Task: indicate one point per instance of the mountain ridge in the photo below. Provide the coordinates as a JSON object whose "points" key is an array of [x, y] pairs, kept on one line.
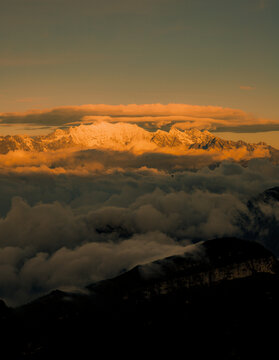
{"points": [[231, 313], [126, 137]]}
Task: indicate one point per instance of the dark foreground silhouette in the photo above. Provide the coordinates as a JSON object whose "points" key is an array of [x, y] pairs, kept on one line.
{"points": [[220, 300]]}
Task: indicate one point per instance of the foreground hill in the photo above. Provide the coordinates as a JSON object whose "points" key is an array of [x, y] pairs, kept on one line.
{"points": [[219, 299]]}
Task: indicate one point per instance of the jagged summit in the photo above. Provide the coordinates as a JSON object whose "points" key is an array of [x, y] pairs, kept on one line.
{"points": [[124, 137]]}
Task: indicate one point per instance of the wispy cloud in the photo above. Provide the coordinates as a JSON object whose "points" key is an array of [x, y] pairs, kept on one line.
{"points": [[245, 87], [26, 61], [38, 60], [31, 99], [263, 4]]}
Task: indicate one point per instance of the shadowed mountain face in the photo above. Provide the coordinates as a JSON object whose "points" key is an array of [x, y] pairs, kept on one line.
{"points": [[268, 196], [263, 222], [216, 299]]}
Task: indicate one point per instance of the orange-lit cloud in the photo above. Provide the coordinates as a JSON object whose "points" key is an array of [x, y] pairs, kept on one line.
{"points": [[243, 87], [31, 99], [149, 115], [90, 162]]}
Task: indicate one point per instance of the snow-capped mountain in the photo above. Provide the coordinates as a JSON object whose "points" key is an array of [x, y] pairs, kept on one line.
{"points": [[125, 137]]}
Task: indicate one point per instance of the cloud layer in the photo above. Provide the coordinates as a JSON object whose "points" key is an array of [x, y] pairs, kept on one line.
{"points": [[148, 115], [66, 231]]}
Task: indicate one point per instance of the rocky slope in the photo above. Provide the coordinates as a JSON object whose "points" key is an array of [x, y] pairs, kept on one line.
{"points": [[220, 299], [125, 137]]}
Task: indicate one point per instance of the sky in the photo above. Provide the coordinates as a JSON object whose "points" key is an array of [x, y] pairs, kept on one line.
{"points": [[224, 53], [200, 52]]}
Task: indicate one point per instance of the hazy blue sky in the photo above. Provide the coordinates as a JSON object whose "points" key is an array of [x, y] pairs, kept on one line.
{"points": [[203, 52]]}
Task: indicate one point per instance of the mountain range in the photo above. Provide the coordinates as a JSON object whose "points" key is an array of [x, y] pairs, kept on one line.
{"points": [[128, 137]]}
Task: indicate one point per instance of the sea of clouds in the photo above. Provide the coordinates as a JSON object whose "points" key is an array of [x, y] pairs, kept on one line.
{"points": [[89, 216]]}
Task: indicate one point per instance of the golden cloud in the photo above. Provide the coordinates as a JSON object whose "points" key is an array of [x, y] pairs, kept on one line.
{"points": [[148, 115]]}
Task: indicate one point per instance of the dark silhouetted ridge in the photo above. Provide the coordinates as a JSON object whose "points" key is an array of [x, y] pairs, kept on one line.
{"points": [[220, 299]]}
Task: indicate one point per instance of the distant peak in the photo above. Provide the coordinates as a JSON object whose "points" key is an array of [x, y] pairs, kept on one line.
{"points": [[124, 136]]}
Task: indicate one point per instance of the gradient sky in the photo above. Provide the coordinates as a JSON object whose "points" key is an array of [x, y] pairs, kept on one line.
{"points": [[202, 52]]}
